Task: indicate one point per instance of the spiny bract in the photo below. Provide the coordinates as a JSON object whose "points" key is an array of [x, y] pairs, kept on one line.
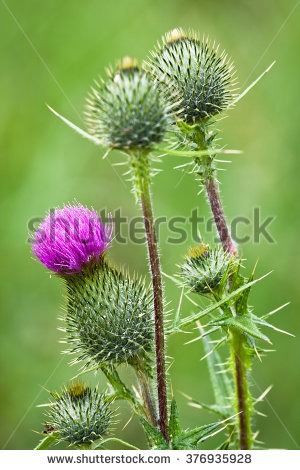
{"points": [[128, 111], [195, 72], [109, 316], [79, 414], [204, 269]]}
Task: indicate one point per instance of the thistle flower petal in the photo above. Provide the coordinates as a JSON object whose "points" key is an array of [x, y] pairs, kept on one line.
{"points": [[69, 238]]}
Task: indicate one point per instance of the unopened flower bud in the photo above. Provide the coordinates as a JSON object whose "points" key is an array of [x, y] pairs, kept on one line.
{"points": [[109, 318], [128, 110], [194, 71], [79, 414], [204, 269]]}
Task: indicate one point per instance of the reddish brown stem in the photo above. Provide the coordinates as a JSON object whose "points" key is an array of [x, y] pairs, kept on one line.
{"points": [[219, 216], [241, 382], [158, 307]]}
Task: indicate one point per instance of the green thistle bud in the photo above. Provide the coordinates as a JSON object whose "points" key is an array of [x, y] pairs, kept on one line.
{"points": [[109, 318], [204, 270], [79, 414], [128, 111], [195, 72]]}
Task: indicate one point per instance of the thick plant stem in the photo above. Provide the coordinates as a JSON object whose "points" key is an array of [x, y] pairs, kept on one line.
{"points": [[243, 402], [148, 401], [243, 398], [158, 305], [145, 390]]}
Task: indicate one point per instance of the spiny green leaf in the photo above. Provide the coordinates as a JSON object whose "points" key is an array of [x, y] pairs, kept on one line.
{"points": [[274, 311], [243, 323], [174, 426], [193, 318], [241, 304], [236, 279], [225, 445], [154, 434], [114, 439], [193, 436], [259, 321], [218, 410], [47, 441], [222, 385], [76, 128]]}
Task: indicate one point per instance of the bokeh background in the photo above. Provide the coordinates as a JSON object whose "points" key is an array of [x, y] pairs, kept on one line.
{"points": [[50, 53]]}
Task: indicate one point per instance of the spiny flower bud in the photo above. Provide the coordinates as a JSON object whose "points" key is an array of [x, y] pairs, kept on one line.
{"points": [[205, 269], [109, 317], [195, 72], [69, 238], [79, 414], [128, 111]]}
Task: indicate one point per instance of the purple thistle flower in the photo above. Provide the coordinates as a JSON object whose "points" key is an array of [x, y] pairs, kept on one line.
{"points": [[71, 237]]}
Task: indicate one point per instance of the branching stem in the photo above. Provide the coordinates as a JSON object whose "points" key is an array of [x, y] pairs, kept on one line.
{"points": [[243, 400]]}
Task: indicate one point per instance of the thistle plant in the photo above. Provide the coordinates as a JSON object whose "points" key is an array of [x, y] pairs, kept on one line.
{"points": [[169, 105]]}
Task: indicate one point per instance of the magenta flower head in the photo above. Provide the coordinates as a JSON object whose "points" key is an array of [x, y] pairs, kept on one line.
{"points": [[69, 238]]}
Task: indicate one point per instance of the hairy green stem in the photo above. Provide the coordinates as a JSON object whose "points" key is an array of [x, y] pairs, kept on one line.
{"points": [[146, 392], [243, 400], [158, 305]]}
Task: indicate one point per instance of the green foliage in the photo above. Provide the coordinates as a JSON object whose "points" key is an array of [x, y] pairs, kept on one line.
{"points": [[109, 318], [179, 439], [225, 302], [222, 383], [47, 441], [238, 327], [241, 323]]}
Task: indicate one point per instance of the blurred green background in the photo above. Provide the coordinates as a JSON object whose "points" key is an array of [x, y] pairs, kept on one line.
{"points": [[50, 53]]}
